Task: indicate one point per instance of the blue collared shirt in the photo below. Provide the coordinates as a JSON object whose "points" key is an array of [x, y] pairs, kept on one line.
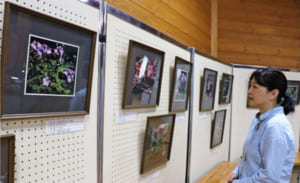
{"points": [[269, 150]]}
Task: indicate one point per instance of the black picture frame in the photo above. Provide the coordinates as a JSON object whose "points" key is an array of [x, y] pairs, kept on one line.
{"points": [[157, 141], [293, 91], [7, 152], [181, 85], [217, 130], [46, 65], [143, 76], [208, 89], [225, 89]]}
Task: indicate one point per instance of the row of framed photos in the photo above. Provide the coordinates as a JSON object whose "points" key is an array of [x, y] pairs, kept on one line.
{"points": [[144, 75], [51, 74], [159, 135]]}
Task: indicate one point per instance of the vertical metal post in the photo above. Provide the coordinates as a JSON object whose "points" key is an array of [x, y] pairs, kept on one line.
{"points": [[230, 124], [190, 121], [100, 89]]}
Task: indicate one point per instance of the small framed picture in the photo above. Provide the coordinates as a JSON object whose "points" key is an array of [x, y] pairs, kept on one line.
{"points": [[293, 90], [157, 141], [46, 65], [7, 158], [143, 76], [208, 90], [225, 89], [217, 129], [181, 85]]}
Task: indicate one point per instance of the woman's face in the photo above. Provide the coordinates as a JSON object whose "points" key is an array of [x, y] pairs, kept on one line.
{"points": [[258, 95]]}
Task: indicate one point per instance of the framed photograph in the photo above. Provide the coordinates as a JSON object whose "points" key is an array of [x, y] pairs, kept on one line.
{"points": [[46, 65], [7, 158], [157, 142], [143, 76], [181, 85], [293, 90], [217, 129], [225, 89], [208, 90]]}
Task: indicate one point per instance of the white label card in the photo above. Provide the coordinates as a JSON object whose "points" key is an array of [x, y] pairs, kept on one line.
{"points": [[58, 126], [122, 116], [153, 175], [203, 115], [179, 116]]}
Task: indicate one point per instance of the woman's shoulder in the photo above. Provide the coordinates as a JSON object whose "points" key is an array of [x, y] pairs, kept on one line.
{"points": [[278, 120], [279, 123]]}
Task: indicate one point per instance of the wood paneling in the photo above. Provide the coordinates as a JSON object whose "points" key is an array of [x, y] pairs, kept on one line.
{"points": [[259, 32], [185, 21], [214, 28], [258, 59]]}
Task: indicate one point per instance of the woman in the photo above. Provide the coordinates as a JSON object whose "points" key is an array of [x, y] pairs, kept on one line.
{"points": [[269, 150]]}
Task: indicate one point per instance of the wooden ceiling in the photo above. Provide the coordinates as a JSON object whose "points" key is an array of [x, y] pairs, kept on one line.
{"points": [[252, 32]]}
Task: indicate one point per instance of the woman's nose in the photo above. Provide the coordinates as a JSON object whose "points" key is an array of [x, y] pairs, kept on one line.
{"points": [[249, 90]]}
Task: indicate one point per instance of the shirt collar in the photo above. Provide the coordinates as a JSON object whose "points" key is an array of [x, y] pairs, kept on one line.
{"points": [[268, 114]]}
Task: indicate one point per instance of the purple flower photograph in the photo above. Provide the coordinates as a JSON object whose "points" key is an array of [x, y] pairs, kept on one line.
{"points": [[181, 85], [51, 67], [159, 137], [225, 89], [158, 141], [208, 89]]}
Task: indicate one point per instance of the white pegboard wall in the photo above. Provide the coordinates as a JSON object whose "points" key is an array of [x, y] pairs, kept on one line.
{"points": [[67, 10], [123, 142], [67, 157], [203, 159], [45, 158]]}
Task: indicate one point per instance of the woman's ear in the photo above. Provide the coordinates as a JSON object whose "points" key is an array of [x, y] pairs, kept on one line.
{"points": [[274, 94]]}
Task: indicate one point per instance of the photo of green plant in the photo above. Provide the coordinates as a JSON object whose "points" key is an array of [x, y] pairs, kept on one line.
{"points": [[292, 91], [51, 67]]}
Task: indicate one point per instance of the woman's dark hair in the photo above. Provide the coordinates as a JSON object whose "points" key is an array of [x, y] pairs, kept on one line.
{"points": [[272, 78]]}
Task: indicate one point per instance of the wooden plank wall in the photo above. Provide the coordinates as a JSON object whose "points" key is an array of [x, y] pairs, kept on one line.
{"points": [[259, 32], [187, 21]]}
